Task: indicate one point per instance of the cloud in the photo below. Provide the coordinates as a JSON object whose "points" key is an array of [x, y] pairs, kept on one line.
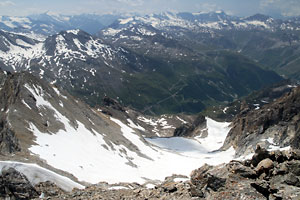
{"points": [[7, 3], [133, 3], [208, 7], [285, 7]]}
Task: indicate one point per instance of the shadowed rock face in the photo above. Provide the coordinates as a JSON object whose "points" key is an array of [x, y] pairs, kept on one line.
{"points": [[8, 94], [8, 141], [191, 129], [15, 185], [277, 121]]}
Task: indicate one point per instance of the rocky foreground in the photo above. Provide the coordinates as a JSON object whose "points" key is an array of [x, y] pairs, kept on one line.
{"points": [[268, 175]]}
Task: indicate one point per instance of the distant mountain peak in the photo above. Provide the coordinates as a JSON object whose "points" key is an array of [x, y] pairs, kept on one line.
{"points": [[258, 17]]}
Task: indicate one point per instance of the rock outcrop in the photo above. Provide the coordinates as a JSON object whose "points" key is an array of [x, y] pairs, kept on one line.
{"points": [[14, 185], [268, 175], [275, 124], [8, 141], [191, 129]]}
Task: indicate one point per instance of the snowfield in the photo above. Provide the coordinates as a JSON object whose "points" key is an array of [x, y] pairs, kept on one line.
{"points": [[36, 174], [81, 153], [84, 153], [92, 157]]}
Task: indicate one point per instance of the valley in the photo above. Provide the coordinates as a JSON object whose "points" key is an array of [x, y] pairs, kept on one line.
{"points": [[159, 106]]}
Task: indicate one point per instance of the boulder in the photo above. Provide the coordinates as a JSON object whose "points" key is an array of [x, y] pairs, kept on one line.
{"points": [[264, 166], [14, 184]]}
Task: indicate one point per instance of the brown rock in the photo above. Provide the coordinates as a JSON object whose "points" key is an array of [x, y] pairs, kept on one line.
{"points": [[264, 166]]}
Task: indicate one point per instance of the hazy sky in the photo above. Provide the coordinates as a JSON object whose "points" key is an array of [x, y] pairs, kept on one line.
{"points": [[235, 7]]}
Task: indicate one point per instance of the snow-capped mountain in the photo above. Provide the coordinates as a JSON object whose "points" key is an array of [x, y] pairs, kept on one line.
{"points": [[64, 58], [274, 43], [148, 50], [118, 64], [51, 23], [203, 22]]}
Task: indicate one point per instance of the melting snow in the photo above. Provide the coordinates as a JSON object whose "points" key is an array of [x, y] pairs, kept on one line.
{"points": [[118, 188], [26, 104], [273, 146], [258, 23], [125, 21], [58, 93], [216, 135], [86, 155], [36, 174], [39, 96], [183, 121], [111, 31], [181, 179], [22, 43], [146, 32], [75, 32], [17, 54], [133, 125], [162, 123]]}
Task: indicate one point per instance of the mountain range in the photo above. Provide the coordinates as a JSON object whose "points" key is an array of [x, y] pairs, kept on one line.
{"points": [[165, 63], [110, 105]]}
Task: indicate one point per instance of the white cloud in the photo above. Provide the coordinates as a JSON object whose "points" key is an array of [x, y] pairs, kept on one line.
{"points": [[208, 7], [133, 3], [7, 3], [286, 7]]}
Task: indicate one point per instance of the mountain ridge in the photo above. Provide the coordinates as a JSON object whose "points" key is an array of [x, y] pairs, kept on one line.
{"points": [[91, 67]]}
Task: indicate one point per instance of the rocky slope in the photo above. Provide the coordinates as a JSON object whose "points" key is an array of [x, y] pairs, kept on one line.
{"points": [[257, 99], [50, 112], [275, 124], [45, 125], [267, 175]]}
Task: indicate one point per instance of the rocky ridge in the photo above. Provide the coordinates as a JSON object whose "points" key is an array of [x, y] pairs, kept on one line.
{"points": [[133, 68], [275, 124]]}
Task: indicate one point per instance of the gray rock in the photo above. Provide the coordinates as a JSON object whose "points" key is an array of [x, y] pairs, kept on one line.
{"points": [[14, 184], [291, 179], [278, 120]]}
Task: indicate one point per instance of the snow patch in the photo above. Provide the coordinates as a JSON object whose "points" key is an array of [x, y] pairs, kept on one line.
{"points": [[217, 132], [26, 104], [125, 21], [118, 188], [36, 174], [273, 146], [111, 31], [133, 125], [22, 43], [258, 23], [181, 179], [58, 93], [75, 32]]}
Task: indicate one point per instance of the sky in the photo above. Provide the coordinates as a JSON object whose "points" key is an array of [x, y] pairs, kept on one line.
{"points": [[72, 7]]}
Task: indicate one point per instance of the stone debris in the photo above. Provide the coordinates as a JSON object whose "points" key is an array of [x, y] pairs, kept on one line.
{"points": [[271, 175]]}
